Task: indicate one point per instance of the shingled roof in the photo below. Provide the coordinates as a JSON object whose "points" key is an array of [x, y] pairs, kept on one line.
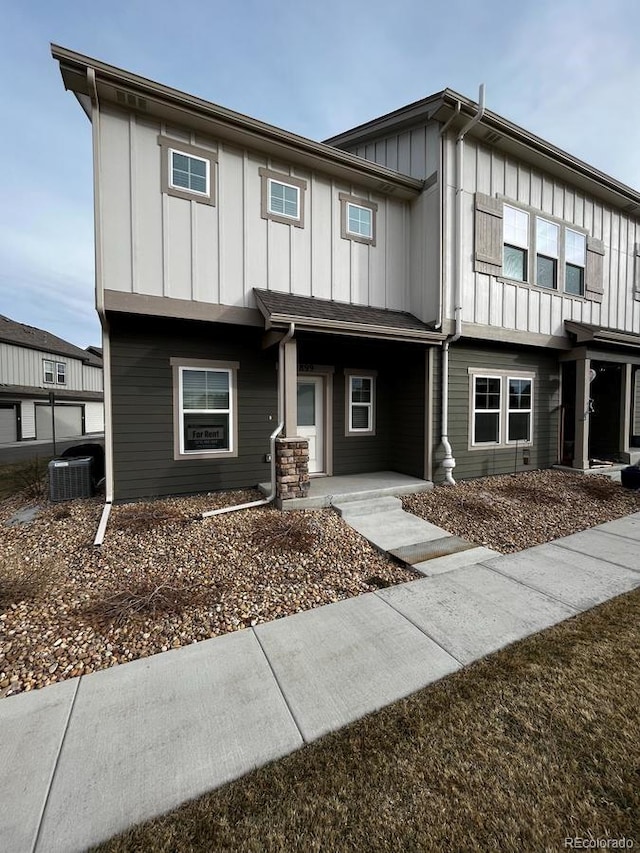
{"points": [[12, 332], [327, 315]]}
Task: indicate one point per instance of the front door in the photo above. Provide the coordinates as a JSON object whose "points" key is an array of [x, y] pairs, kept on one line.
{"points": [[311, 419]]}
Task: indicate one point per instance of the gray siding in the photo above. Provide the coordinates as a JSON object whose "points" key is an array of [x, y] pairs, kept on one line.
{"points": [[480, 462], [143, 406]]}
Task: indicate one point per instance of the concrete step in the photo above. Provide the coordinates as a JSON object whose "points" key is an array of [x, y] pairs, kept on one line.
{"points": [[370, 506], [458, 560], [431, 549]]}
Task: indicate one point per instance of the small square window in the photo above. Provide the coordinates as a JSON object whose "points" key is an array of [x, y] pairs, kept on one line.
{"points": [[284, 199], [189, 173], [358, 219]]}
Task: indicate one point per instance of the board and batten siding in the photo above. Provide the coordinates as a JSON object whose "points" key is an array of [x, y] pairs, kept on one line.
{"points": [[413, 151], [160, 245], [489, 301], [23, 366], [142, 404], [485, 461], [92, 378]]}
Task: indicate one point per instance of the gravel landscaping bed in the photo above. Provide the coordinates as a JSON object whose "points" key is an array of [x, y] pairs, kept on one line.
{"points": [[163, 578], [516, 511]]}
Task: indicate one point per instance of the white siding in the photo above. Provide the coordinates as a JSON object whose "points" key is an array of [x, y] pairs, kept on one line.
{"points": [[22, 366], [415, 151], [488, 301], [161, 245], [91, 378]]}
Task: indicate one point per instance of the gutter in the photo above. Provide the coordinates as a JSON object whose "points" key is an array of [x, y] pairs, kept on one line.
{"points": [[449, 463], [350, 328], [272, 438], [106, 344]]}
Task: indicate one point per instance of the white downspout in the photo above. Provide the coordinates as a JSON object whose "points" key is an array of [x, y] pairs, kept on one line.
{"points": [[106, 344], [272, 438], [449, 463]]}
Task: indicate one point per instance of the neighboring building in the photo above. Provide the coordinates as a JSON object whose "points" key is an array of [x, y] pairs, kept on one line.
{"points": [[439, 253], [34, 363]]}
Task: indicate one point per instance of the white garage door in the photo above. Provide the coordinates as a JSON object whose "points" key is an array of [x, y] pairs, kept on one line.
{"points": [[68, 421], [8, 424]]}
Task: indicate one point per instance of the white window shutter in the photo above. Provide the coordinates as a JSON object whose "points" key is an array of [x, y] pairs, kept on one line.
{"points": [[488, 235]]}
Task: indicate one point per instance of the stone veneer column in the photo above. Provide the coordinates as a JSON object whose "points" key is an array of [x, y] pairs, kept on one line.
{"points": [[292, 468]]}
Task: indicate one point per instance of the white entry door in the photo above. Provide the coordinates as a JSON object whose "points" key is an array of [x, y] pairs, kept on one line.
{"points": [[311, 419]]}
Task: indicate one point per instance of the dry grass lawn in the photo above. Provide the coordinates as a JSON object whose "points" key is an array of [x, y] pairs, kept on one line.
{"points": [[517, 752]]}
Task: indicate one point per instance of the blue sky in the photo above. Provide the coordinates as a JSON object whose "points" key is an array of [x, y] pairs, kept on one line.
{"points": [[568, 70]]}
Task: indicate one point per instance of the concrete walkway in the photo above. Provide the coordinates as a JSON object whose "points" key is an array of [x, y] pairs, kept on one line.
{"points": [[86, 758]]}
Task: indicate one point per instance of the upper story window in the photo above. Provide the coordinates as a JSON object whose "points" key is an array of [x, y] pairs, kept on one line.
{"points": [[358, 219], [54, 372], [282, 197], [188, 171], [519, 243], [516, 243], [575, 262], [547, 253]]}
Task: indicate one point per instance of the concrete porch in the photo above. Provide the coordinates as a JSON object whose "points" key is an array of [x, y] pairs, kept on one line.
{"points": [[354, 487]]}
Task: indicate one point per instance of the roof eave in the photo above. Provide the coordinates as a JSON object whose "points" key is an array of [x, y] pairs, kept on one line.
{"points": [[229, 124]]}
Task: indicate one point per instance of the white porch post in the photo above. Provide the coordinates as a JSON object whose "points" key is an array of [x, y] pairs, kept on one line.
{"points": [[291, 388], [581, 449]]}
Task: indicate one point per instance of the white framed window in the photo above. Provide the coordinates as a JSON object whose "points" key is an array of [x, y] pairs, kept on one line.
{"points": [[547, 253], [205, 409], [501, 409], [54, 372], [516, 243], [360, 402], [188, 171], [358, 219], [574, 262], [282, 198], [487, 410]]}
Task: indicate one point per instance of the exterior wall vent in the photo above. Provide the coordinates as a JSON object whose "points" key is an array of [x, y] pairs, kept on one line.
{"points": [[130, 100], [386, 188], [492, 137]]}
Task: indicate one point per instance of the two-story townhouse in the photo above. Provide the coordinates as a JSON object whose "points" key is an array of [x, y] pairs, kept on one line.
{"points": [[34, 364], [540, 288], [247, 277]]}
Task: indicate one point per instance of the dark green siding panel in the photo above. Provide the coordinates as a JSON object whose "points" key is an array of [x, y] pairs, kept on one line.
{"points": [[141, 350], [487, 461]]}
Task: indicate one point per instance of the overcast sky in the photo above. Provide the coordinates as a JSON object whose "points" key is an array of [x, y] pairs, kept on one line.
{"points": [[567, 70]]}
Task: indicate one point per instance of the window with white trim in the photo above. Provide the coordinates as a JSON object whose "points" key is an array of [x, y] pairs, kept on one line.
{"points": [[359, 220], [54, 372], [360, 404], [547, 253], [516, 243], [282, 197], [188, 172], [574, 262], [501, 409], [205, 416]]}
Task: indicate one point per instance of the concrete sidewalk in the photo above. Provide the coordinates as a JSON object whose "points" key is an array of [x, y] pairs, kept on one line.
{"points": [[86, 758]]}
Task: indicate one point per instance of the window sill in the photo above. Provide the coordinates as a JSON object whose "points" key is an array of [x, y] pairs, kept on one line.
{"points": [[205, 454], [536, 287], [491, 445]]}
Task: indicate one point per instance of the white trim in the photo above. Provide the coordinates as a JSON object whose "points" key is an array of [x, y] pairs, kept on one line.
{"points": [[370, 429], [371, 213], [230, 368], [204, 160], [270, 182], [503, 412], [475, 411], [509, 411]]}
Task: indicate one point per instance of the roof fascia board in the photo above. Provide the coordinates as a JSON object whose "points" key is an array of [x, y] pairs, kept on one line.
{"points": [[73, 68], [88, 358], [365, 329]]}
